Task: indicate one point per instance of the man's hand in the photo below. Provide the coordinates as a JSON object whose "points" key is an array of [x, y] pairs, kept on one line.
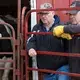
{"points": [[32, 52], [66, 36], [58, 30]]}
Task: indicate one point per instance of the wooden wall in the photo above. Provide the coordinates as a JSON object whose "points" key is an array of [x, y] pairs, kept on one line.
{"points": [[58, 4]]}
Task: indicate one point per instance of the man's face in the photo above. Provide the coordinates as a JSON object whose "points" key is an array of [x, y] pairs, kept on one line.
{"points": [[75, 18], [47, 17]]}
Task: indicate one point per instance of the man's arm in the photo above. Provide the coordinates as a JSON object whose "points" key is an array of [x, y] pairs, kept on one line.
{"points": [[31, 44], [72, 29], [64, 31]]}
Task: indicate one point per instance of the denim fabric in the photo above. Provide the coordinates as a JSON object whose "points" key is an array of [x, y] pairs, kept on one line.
{"points": [[64, 68]]}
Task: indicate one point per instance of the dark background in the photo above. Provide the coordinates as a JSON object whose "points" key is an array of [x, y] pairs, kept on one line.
{"points": [[10, 6]]}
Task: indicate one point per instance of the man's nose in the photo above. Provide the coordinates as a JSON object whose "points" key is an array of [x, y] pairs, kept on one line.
{"points": [[71, 16], [43, 15]]}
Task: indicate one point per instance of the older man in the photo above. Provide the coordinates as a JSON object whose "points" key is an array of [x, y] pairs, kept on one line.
{"points": [[48, 20]]}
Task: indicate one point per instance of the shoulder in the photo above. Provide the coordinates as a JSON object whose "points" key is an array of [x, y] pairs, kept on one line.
{"points": [[36, 27]]}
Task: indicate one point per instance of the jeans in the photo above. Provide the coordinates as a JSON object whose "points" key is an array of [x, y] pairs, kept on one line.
{"points": [[64, 68]]}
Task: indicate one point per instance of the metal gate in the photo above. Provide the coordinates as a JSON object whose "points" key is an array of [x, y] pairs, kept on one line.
{"points": [[26, 74], [11, 61]]}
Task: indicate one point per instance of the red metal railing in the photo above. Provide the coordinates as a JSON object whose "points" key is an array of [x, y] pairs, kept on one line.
{"points": [[12, 38], [44, 52], [23, 53]]}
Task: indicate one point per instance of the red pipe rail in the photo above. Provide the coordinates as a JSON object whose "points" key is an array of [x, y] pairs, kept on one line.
{"points": [[13, 53], [22, 25], [45, 52], [38, 10], [22, 41], [18, 38]]}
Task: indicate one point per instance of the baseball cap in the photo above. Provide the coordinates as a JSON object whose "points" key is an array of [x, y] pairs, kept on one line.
{"points": [[45, 6], [74, 5]]}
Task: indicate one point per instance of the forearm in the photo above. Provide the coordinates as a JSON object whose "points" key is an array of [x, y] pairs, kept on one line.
{"points": [[31, 45], [72, 29]]}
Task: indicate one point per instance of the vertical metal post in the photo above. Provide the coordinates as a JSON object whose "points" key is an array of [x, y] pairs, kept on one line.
{"points": [[18, 37]]}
